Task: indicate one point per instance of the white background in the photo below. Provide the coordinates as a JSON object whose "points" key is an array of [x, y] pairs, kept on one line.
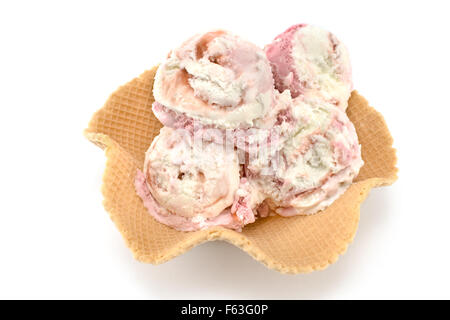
{"points": [[59, 61]]}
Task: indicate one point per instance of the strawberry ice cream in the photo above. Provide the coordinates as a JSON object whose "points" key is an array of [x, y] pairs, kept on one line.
{"points": [[249, 133], [218, 79], [315, 166], [190, 187], [308, 60]]}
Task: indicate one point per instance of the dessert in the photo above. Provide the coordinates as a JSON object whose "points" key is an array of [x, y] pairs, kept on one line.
{"points": [[315, 166], [125, 127], [308, 60], [216, 78], [221, 87], [246, 136], [270, 131], [189, 186]]}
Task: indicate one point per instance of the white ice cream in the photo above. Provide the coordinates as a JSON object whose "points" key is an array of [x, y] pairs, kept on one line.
{"points": [[308, 60], [218, 79], [315, 166], [272, 135], [189, 179]]}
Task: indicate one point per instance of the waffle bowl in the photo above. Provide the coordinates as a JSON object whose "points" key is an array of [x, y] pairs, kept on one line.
{"points": [[126, 126]]}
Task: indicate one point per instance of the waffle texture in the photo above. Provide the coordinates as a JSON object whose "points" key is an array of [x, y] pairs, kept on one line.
{"points": [[126, 126]]}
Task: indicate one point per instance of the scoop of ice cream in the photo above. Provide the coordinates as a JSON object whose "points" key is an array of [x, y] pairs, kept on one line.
{"points": [[190, 189], [216, 78], [190, 179], [315, 166], [309, 60]]}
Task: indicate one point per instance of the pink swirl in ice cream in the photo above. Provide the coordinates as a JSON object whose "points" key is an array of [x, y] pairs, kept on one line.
{"points": [[218, 79], [315, 166], [308, 60], [269, 131]]}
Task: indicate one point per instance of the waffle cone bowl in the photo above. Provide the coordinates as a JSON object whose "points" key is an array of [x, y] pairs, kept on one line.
{"points": [[126, 126]]}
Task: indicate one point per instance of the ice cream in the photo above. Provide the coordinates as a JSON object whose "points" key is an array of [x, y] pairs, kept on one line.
{"points": [[268, 132], [248, 135], [315, 166], [216, 78], [308, 60], [190, 186]]}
